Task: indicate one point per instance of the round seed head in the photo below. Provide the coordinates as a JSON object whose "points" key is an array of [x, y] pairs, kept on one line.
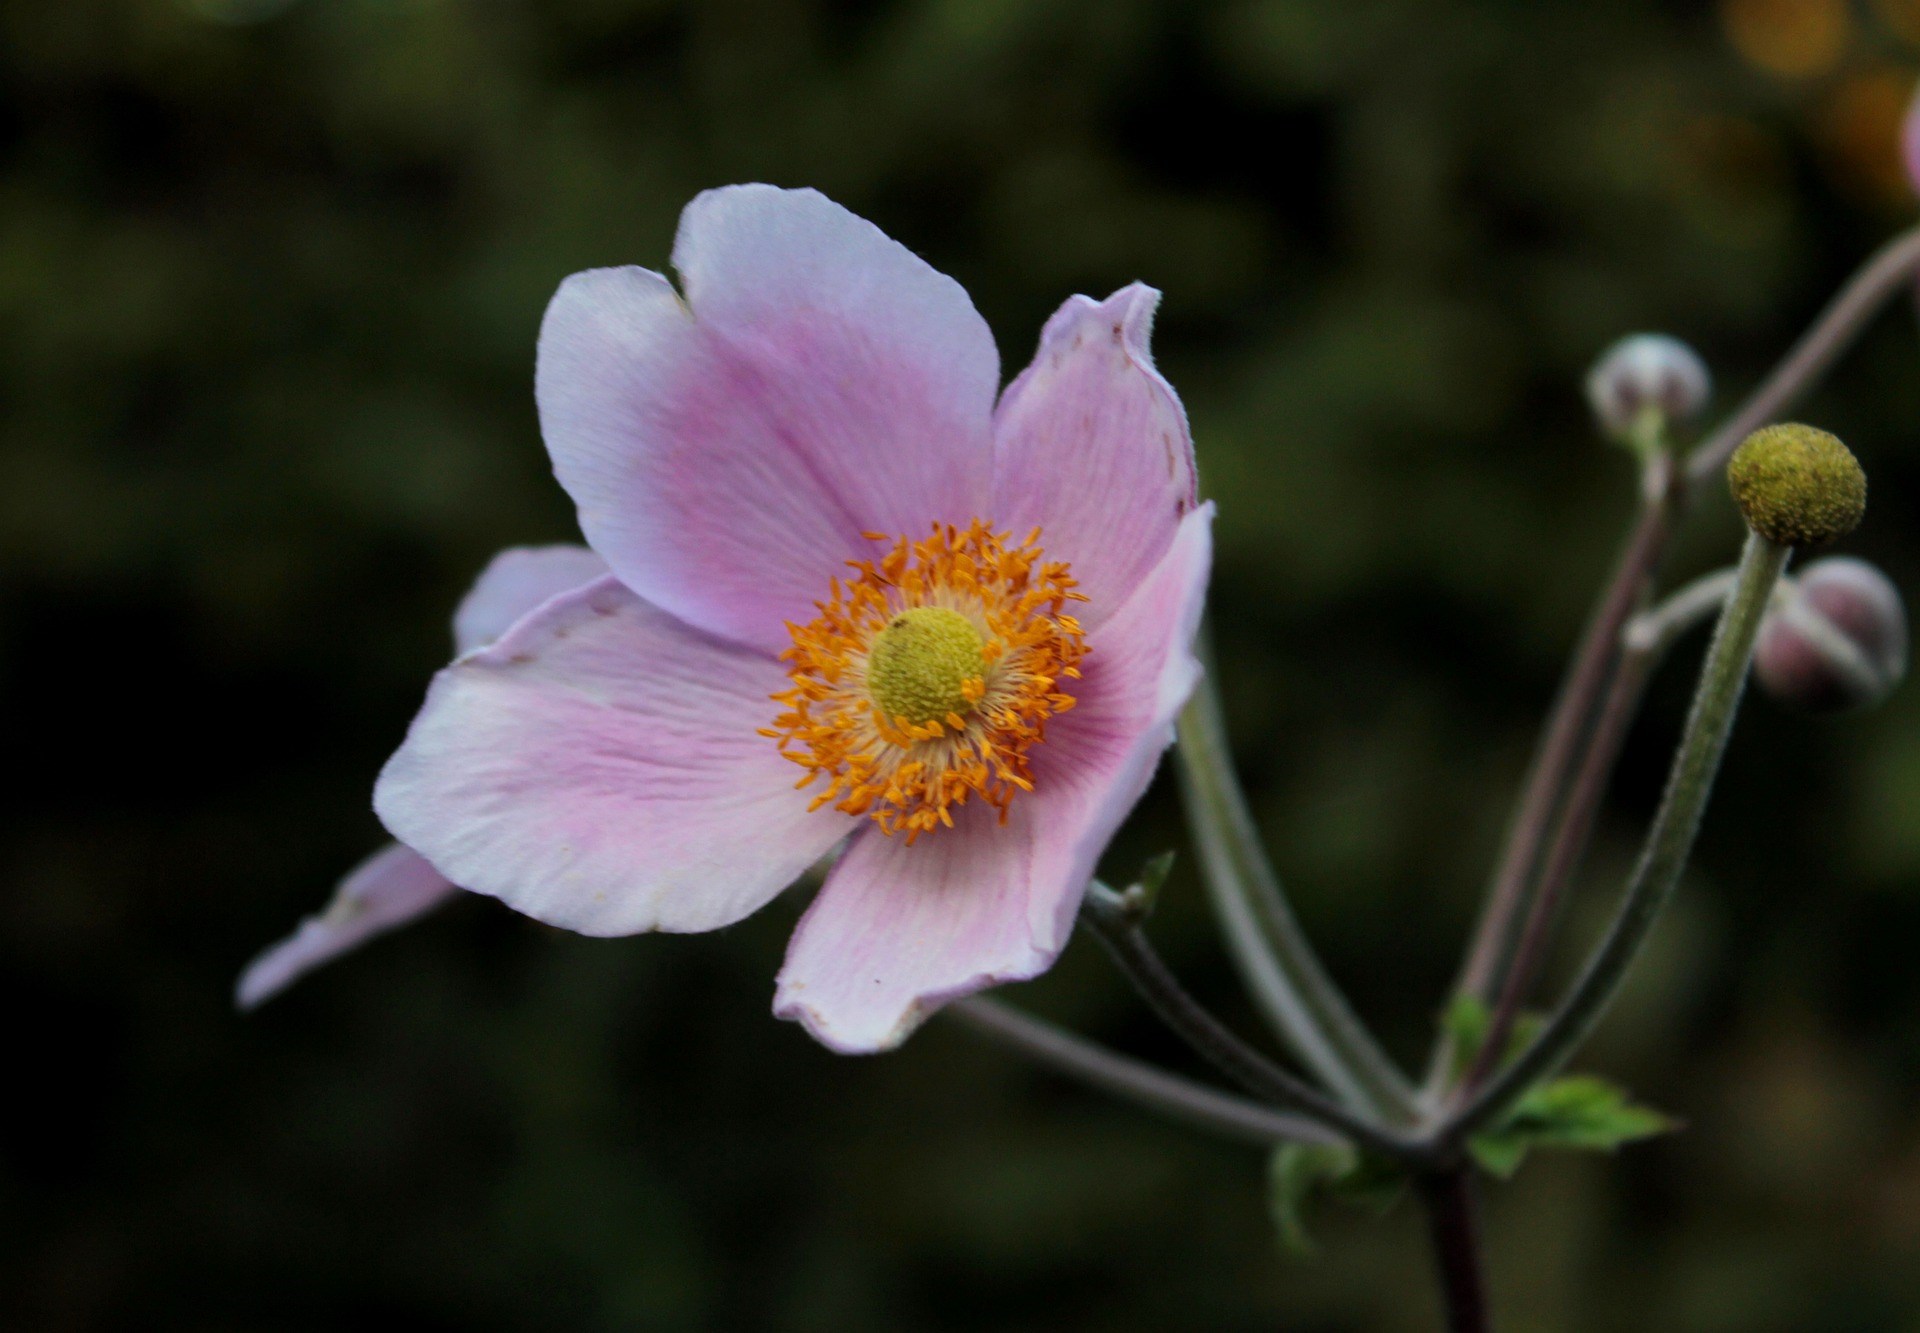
{"points": [[1797, 486]]}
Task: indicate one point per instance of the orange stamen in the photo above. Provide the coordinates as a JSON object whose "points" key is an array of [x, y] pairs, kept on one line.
{"points": [[905, 776]]}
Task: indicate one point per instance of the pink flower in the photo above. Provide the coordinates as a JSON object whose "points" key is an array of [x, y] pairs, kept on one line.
{"points": [[396, 884], [830, 618]]}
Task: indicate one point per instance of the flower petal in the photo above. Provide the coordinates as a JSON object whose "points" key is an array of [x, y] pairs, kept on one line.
{"points": [[396, 884], [1091, 446], [600, 768], [1099, 757], [898, 931], [516, 581], [820, 381], [390, 888]]}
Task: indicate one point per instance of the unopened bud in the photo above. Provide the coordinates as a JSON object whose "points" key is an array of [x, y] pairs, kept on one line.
{"points": [[1797, 486], [1834, 639], [1648, 372]]}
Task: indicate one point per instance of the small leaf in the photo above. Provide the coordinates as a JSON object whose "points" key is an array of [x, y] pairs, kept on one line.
{"points": [[1499, 1155], [1298, 1171], [1582, 1112], [1465, 1023], [1292, 1173], [1153, 875], [1587, 1112], [1375, 1183]]}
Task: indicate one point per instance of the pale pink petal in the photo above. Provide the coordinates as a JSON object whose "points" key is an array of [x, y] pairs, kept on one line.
{"points": [[897, 931], [600, 768], [1099, 757], [726, 453], [1091, 447], [388, 889], [395, 885], [516, 581]]}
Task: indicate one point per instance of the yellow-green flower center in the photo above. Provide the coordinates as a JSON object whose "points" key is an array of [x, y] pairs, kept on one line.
{"points": [[926, 665]]}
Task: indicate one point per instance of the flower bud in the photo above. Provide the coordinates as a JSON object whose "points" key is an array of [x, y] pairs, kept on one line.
{"points": [[1835, 638], [1797, 486], [1648, 371]]}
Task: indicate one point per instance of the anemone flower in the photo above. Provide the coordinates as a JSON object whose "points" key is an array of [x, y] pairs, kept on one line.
{"points": [[396, 884], [854, 603]]}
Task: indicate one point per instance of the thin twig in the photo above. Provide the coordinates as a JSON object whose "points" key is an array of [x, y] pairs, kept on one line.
{"points": [[1212, 1039], [1495, 938], [1135, 1080], [1283, 974], [1887, 273], [1669, 843], [1569, 841], [1643, 643]]}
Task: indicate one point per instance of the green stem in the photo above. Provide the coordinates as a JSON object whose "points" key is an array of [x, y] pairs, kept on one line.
{"points": [[1284, 976], [1887, 274], [1669, 843], [1134, 1080], [1644, 642], [1496, 937], [1111, 917]]}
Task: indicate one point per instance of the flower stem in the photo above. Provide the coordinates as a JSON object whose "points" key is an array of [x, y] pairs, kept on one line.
{"points": [[1134, 1080], [1496, 938], [1453, 1221], [1883, 276], [1643, 643], [1669, 843], [1284, 976], [1119, 929], [1887, 273]]}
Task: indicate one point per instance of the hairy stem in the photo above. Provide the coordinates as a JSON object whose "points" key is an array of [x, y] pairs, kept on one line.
{"points": [[1569, 842], [1496, 938], [1283, 975], [1885, 275], [1120, 931], [1669, 843], [1643, 643], [1135, 1080]]}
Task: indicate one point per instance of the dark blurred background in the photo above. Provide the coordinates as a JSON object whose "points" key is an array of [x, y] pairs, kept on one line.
{"points": [[270, 275]]}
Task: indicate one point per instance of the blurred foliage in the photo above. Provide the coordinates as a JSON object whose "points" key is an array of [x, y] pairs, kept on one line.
{"points": [[270, 274]]}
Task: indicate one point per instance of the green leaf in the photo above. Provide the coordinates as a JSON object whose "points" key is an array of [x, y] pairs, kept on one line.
{"points": [[1466, 1022], [1298, 1171], [1375, 1183], [1499, 1154], [1152, 876], [1581, 1112]]}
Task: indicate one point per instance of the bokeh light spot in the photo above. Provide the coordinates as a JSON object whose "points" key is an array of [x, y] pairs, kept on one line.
{"points": [[1793, 39]]}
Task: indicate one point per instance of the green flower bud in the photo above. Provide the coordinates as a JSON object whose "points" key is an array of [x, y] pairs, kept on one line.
{"points": [[1797, 486]]}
